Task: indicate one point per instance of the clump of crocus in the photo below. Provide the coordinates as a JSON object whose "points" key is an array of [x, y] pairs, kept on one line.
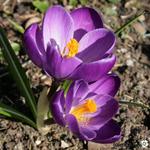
{"points": [[71, 45], [76, 46], [87, 109]]}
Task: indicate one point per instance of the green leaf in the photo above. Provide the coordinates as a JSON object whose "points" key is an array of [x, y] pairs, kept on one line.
{"points": [[83, 2], [17, 72], [118, 31], [73, 3], [137, 104], [66, 85], [42, 111], [114, 1], [15, 46], [16, 26], [42, 6], [12, 113]]}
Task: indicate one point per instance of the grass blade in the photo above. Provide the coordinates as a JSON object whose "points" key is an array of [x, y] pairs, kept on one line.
{"points": [[128, 23], [17, 72], [138, 104], [15, 46], [12, 113]]}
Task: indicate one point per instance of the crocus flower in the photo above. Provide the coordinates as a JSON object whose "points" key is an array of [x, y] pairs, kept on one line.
{"points": [[87, 109], [71, 45]]}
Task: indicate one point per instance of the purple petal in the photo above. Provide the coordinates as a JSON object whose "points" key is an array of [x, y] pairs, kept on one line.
{"points": [[109, 133], [39, 41], [59, 67], [73, 125], [95, 70], [87, 133], [95, 44], [108, 84], [80, 132], [85, 20], [53, 60], [57, 25], [107, 108], [57, 107], [68, 65], [77, 91], [33, 43]]}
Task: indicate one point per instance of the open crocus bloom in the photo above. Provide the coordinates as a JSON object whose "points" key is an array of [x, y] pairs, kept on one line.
{"points": [[71, 45], [87, 109]]}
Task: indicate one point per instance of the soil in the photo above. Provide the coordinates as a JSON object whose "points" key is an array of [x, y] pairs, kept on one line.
{"points": [[133, 67]]}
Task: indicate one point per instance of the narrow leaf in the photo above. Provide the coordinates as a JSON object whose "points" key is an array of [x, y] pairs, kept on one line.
{"points": [[16, 26], [17, 72], [14, 114], [15, 46], [128, 23], [138, 104]]}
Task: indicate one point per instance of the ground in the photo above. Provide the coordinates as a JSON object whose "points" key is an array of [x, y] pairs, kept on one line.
{"points": [[133, 67]]}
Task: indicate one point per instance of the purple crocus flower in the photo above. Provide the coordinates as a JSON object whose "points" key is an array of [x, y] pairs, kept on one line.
{"points": [[87, 109], [71, 45]]}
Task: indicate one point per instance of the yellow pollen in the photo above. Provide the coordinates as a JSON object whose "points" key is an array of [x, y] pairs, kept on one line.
{"points": [[91, 105], [72, 46], [88, 107]]}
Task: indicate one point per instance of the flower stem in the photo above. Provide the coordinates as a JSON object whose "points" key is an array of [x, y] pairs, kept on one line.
{"points": [[138, 104]]}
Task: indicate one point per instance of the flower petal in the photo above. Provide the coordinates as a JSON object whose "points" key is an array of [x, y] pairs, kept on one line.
{"points": [[73, 125], [108, 84], [33, 43], [68, 65], [107, 108], [76, 92], [57, 66], [85, 19], [87, 134], [95, 44], [57, 25], [80, 132], [109, 133], [53, 60], [57, 107], [95, 70]]}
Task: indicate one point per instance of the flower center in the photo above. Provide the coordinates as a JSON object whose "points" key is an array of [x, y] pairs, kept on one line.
{"points": [[88, 107], [72, 48]]}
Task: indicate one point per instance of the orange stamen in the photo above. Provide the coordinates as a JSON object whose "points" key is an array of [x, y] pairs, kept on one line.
{"points": [[72, 47], [88, 107]]}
